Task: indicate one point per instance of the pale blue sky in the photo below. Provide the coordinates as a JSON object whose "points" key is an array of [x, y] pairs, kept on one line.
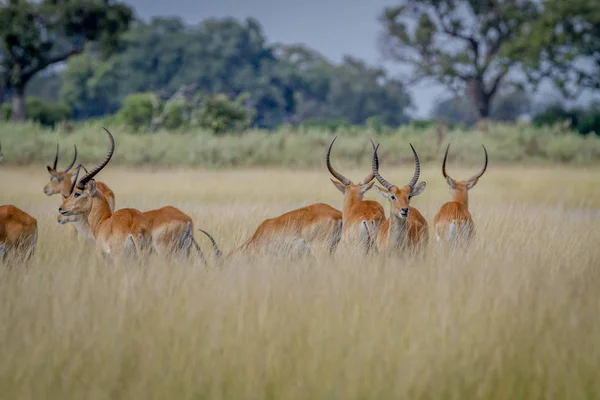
{"points": [[332, 27]]}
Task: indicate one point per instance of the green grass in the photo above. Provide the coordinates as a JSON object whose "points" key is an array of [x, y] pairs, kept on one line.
{"points": [[514, 318], [27, 144]]}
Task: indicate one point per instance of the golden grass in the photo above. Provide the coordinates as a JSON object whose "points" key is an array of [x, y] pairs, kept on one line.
{"points": [[514, 318]]}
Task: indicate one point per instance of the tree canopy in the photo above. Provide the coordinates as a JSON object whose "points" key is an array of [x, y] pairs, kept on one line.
{"points": [[467, 45], [285, 84], [37, 34]]}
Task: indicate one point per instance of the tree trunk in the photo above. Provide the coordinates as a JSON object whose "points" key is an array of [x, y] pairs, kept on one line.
{"points": [[480, 97], [18, 104]]}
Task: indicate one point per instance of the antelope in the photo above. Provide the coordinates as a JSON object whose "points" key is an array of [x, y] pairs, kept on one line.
{"points": [[405, 228], [124, 231], [18, 234], [453, 223], [360, 218], [302, 229]]}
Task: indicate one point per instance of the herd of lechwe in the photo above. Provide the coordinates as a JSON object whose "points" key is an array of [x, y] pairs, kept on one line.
{"points": [[90, 206]]}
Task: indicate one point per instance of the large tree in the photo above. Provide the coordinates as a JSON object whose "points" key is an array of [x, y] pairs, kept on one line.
{"points": [[37, 34], [463, 44], [564, 45]]}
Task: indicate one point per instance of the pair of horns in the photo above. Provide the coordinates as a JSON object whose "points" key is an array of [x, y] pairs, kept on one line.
{"points": [[386, 184], [474, 177], [341, 177], [72, 162], [94, 171]]}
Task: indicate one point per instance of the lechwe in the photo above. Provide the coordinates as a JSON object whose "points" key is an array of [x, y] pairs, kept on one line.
{"points": [[405, 229], [124, 232], [296, 233], [453, 223]]}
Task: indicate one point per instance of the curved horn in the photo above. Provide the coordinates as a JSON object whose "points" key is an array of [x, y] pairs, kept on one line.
{"points": [[415, 178], [444, 163], [333, 172], [87, 177], [72, 162], [375, 168], [55, 158], [369, 177], [75, 180], [475, 177]]}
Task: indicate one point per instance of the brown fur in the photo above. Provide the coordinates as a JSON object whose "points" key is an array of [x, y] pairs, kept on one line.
{"points": [[170, 227], [455, 214], [112, 231], [303, 228], [18, 233], [410, 232], [358, 214]]}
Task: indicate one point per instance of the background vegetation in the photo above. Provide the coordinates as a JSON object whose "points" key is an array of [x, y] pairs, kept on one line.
{"points": [[25, 144]]}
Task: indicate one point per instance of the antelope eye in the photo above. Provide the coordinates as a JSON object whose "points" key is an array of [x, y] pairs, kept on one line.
{"points": [[393, 197]]}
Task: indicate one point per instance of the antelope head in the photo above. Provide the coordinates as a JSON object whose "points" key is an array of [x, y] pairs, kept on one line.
{"points": [[461, 187], [356, 191], [58, 178], [399, 197], [81, 193]]}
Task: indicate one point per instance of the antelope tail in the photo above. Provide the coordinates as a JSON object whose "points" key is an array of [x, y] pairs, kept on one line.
{"points": [[214, 243]]}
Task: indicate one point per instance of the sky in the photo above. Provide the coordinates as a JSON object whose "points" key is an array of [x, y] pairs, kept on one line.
{"points": [[333, 27]]}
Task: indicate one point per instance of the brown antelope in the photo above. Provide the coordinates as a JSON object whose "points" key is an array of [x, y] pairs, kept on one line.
{"points": [[361, 218], [18, 234], [453, 223], [299, 230], [406, 228], [124, 231]]}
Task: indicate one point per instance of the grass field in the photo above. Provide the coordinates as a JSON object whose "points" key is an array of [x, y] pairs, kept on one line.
{"points": [[517, 317]]}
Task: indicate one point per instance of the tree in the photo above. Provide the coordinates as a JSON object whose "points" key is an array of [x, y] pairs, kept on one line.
{"points": [[37, 34], [464, 44], [564, 46]]}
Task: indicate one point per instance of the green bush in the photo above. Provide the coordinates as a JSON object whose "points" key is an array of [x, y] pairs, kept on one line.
{"points": [[40, 111], [583, 121], [221, 115], [136, 111]]}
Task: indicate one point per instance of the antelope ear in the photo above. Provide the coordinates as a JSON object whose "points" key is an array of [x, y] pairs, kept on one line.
{"points": [[50, 169], [451, 183], [418, 189], [383, 192], [341, 187], [471, 184], [91, 187], [367, 187]]}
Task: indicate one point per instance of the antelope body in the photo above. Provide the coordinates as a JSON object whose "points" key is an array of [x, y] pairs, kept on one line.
{"points": [[18, 234], [298, 231], [361, 218], [453, 223], [406, 228]]}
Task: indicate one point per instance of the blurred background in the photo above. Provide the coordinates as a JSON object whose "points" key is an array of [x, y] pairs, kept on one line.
{"points": [[230, 67]]}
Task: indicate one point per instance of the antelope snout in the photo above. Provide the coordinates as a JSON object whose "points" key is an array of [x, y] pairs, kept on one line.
{"points": [[404, 212], [61, 211], [47, 191]]}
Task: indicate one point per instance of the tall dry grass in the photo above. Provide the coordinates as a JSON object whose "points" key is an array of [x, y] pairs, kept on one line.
{"points": [[514, 318]]}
